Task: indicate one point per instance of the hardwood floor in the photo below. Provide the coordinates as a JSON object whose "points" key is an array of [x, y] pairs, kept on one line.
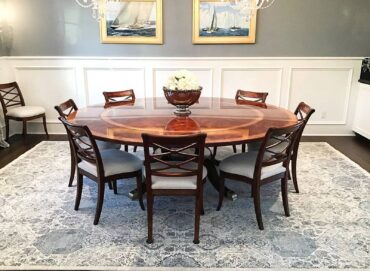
{"points": [[356, 148]]}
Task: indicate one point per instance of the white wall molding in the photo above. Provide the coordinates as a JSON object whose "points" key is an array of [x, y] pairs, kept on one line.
{"points": [[278, 87], [287, 79], [114, 69], [174, 58], [347, 90]]}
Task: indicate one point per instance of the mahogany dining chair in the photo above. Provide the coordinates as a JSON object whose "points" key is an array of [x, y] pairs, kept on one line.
{"points": [[269, 164], [303, 113], [174, 172], [65, 110], [102, 167], [119, 98], [15, 108]]}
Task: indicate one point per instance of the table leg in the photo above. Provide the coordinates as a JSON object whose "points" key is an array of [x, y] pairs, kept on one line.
{"points": [[213, 177]]}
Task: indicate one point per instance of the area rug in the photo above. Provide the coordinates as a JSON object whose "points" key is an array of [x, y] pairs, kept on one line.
{"points": [[329, 225]]}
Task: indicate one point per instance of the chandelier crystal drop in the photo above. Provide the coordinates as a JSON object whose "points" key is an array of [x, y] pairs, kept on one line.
{"points": [[242, 5], [245, 5], [95, 5]]}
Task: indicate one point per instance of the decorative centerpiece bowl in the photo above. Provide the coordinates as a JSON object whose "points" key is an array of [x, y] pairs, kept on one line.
{"points": [[182, 90]]}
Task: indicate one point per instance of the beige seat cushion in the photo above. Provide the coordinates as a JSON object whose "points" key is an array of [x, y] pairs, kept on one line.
{"points": [[114, 162], [25, 111], [159, 182], [243, 164]]}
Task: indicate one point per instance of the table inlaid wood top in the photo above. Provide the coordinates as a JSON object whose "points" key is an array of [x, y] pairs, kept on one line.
{"points": [[225, 121]]}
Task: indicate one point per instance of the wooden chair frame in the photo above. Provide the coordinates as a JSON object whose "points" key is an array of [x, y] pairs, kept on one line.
{"points": [[174, 146], [303, 113], [65, 110], [274, 137], [117, 98], [127, 98], [88, 151], [11, 95]]}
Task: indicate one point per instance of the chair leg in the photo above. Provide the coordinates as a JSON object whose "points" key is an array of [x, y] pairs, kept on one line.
{"points": [[139, 184], [126, 148], [221, 192], [244, 147], [135, 148], [257, 204], [202, 202], [110, 186], [115, 187], [99, 204], [73, 170], [234, 148], [284, 192], [45, 126], [79, 190], [24, 128], [198, 206], [150, 201], [214, 152], [294, 172], [6, 129]]}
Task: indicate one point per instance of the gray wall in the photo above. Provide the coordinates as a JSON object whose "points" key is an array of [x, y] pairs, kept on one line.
{"points": [[288, 28]]}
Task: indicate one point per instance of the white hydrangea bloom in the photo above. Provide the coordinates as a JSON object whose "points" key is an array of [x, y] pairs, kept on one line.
{"points": [[182, 80]]}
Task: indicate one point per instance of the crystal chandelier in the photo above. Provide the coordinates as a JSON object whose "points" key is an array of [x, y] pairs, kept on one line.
{"points": [[244, 4], [93, 4], [262, 4], [252, 4]]}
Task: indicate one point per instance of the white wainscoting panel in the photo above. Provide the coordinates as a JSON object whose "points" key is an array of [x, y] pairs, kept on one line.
{"points": [[327, 84], [252, 79], [46, 86], [327, 89], [98, 80]]}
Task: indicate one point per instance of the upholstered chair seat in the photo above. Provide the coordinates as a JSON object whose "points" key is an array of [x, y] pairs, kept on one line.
{"points": [[243, 164], [114, 162], [159, 182], [25, 111]]}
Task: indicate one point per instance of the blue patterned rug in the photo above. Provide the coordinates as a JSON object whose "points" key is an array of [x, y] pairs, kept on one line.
{"points": [[329, 224]]}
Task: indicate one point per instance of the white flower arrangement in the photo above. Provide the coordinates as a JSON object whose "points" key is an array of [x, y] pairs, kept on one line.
{"points": [[183, 80]]}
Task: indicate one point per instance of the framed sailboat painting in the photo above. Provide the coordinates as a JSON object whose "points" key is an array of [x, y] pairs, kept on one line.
{"points": [[131, 21], [224, 21]]}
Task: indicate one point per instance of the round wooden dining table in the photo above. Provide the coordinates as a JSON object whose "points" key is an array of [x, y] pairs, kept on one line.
{"points": [[225, 121]]}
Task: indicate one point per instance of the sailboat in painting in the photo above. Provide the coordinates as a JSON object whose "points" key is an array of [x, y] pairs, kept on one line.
{"points": [[135, 16], [213, 27], [234, 28]]}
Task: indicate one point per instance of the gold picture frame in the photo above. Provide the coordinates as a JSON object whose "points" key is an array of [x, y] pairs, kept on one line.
{"points": [[234, 35], [129, 30]]}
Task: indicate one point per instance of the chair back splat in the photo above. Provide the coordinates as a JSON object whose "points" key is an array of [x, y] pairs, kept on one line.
{"points": [[277, 147], [66, 109], [10, 95], [84, 144], [174, 156], [119, 96], [252, 96]]}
